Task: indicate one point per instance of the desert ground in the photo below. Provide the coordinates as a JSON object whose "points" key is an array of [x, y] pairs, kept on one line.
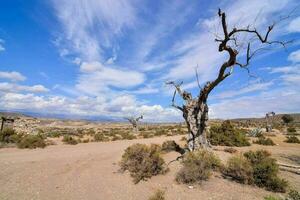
{"points": [[91, 171]]}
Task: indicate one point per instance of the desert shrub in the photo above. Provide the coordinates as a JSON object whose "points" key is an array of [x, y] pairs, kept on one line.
{"points": [[159, 195], [291, 129], [99, 137], [143, 161], [53, 134], [292, 139], [69, 140], [272, 198], [226, 135], [197, 166], [183, 138], [264, 141], [86, 140], [293, 195], [116, 137], [127, 136], [287, 118], [171, 145], [265, 170], [8, 135], [31, 142], [239, 169], [160, 132], [230, 150]]}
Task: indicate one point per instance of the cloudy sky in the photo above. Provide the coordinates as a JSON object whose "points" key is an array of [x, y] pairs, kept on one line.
{"points": [[106, 59]]}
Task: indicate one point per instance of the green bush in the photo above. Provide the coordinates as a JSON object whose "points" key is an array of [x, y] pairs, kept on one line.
{"points": [[53, 134], [265, 170], [31, 142], [69, 140], [239, 169], [159, 195], [272, 198], [99, 137], [287, 118], [293, 195], [291, 130], [143, 161], [8, 135], [127, 136], [226, 135], [292, 139], [264, 141], [197, 166], [171, 145]]}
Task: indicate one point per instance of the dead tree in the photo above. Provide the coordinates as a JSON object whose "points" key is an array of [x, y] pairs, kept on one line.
{"points": [[269, 120], [195, 110], [134, 122]]}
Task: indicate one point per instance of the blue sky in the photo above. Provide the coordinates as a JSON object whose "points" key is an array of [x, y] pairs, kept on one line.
{"points": [[110, 59]]}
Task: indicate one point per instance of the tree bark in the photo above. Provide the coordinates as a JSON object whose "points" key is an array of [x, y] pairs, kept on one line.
{"points": [[196, 117]]}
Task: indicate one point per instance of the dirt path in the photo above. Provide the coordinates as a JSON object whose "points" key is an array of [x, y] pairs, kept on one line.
{"points": [[90, 171]]}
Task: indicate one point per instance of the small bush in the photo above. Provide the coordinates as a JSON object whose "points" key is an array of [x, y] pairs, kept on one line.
{"points": [[292, 139], [86, 140], [159, 195], [272, 198], [197, 166], [227, 135], [265, 170], [32, 142], [230, 150], [143, 161], [293, 195], [8, 135], [264, 141], [287, 118], [53, 134], [69, 140], [99, 137], [239, 169], [171, 145], [291, 130]]}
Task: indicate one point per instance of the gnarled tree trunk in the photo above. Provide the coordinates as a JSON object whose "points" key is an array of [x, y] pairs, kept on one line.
{"points": [[195, 110]]}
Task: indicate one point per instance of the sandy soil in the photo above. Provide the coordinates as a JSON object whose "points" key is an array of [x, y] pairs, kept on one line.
{"points": [[90, 171]]}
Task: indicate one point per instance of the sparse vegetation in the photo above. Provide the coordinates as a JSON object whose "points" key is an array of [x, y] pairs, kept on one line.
{"points": [[171, 145], [143, 161], [270, 197], [9, 135], [32, 142], [265, 170], [292, 139], [159, 195], [291, 129], [197, 167], [69, 140], [287, 118], [264, 141], [239, 169], [99, 137], [293, 195], [227, 135]]}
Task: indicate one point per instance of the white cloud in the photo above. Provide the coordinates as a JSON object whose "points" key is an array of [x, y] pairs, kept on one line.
{"points": [[283, 100], [294, 56], [90, 25], [200, 48], [12, 76], [10, 87], [84, 106], [98, 78], [250, 88], [294, 25]]}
